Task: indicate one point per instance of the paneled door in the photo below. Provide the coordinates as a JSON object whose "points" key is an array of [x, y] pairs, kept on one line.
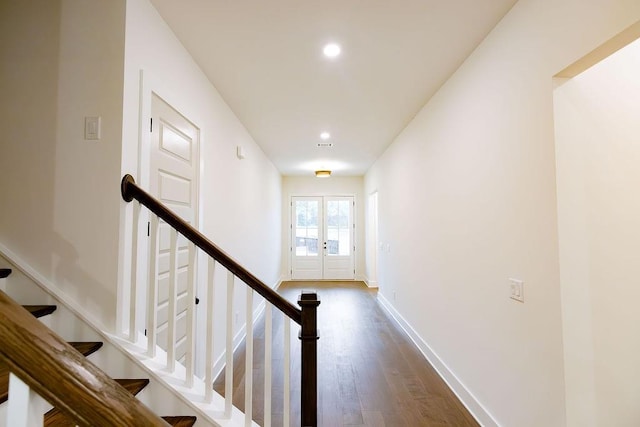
{"points": [[174, 181], [322, 238]]}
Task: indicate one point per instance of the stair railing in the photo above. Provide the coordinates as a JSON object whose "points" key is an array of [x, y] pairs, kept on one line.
{"points": [[41, 364], [305, 316]]}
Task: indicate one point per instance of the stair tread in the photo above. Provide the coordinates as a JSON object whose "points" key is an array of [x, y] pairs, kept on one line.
{"points": [[133, 386], [5, 272], [4, 382], [40, 310], [58, 419], [86, 348], [185, 421]]}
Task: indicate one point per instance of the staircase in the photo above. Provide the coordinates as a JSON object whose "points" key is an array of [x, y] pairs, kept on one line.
{"points": [[56, 417], [157, 329]]}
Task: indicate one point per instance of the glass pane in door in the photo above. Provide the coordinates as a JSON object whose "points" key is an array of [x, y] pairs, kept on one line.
{"points": [[338, 227], [306, 212]]}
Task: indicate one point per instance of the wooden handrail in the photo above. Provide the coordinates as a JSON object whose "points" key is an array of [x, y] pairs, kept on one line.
{"points": [[63, 376], [130, 190]]}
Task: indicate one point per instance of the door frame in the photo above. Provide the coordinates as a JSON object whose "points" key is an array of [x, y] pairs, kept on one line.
{"points": [[372, 239], [354, 230]]}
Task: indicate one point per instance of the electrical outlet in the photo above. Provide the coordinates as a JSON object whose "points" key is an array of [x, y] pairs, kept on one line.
{"points": [[236, 318], [516, 288], [394, 295]]}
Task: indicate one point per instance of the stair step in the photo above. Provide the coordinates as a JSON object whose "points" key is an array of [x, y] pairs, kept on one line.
{"points": [[4, 382], [5, 272], [55, 418], [133, 386], [60, 420], [86, 348], [40, 310], [180, 421]]}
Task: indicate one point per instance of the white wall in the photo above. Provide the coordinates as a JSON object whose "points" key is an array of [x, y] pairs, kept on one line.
{"points": [[467, 200], [61, 61], [240, 200], [597, 116], [333, 186]]}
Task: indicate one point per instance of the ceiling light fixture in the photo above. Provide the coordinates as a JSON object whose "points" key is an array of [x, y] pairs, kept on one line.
{"points": [[331, 50], [325, 135], [323, 174]]}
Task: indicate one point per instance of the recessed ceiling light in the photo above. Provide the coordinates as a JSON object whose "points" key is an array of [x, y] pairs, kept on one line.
{"points": [[331, 50], [325, 135], [323, 173]]}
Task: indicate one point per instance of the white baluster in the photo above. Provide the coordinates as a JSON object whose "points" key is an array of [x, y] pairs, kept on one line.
{"points": [[25, 406], [267, 364], [208, 381], [248, 367], [173, 296], [287, 371], [191, 318], [228, 376], [133, 299], [152, 295]]}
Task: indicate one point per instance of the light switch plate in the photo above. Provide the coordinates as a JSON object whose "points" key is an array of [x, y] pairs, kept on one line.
{"points": [[516, 288], [92, 128]]}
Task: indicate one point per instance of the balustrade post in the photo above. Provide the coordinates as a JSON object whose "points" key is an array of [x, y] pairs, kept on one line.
{"points": [[309, 302]]}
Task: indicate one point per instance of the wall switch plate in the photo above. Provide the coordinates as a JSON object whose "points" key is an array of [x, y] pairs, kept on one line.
{"points": [[517, 289], [92, 128]]}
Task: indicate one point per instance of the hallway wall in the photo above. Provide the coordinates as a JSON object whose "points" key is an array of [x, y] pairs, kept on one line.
{"points": [[60, 212], [597, 156], [467, 198]]}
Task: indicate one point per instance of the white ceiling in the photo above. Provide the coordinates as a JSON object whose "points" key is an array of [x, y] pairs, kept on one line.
{"points": [[265, 58]]}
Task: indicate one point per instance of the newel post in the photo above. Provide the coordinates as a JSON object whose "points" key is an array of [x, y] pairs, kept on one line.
{"points": [[309, 303]]}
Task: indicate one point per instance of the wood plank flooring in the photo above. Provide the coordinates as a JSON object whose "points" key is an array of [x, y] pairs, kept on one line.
{"points": [[369, 371]]}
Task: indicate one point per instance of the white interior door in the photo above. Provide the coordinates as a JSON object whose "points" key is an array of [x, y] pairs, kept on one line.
{"points": [[322, 233], [174, 162]]}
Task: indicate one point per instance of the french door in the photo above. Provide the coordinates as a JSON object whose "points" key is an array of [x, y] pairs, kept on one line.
{"points": [[322, 238]]}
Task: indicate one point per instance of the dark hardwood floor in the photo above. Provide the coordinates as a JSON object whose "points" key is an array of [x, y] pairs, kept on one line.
{"points": [[369, 371]]}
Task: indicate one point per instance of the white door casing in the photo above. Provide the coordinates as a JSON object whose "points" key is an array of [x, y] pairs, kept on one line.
{"points": [[372, 241], [174, 161]]}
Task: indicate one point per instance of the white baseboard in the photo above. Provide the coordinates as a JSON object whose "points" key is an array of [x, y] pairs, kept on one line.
{"points": [[370, 283], [479, 412]]}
